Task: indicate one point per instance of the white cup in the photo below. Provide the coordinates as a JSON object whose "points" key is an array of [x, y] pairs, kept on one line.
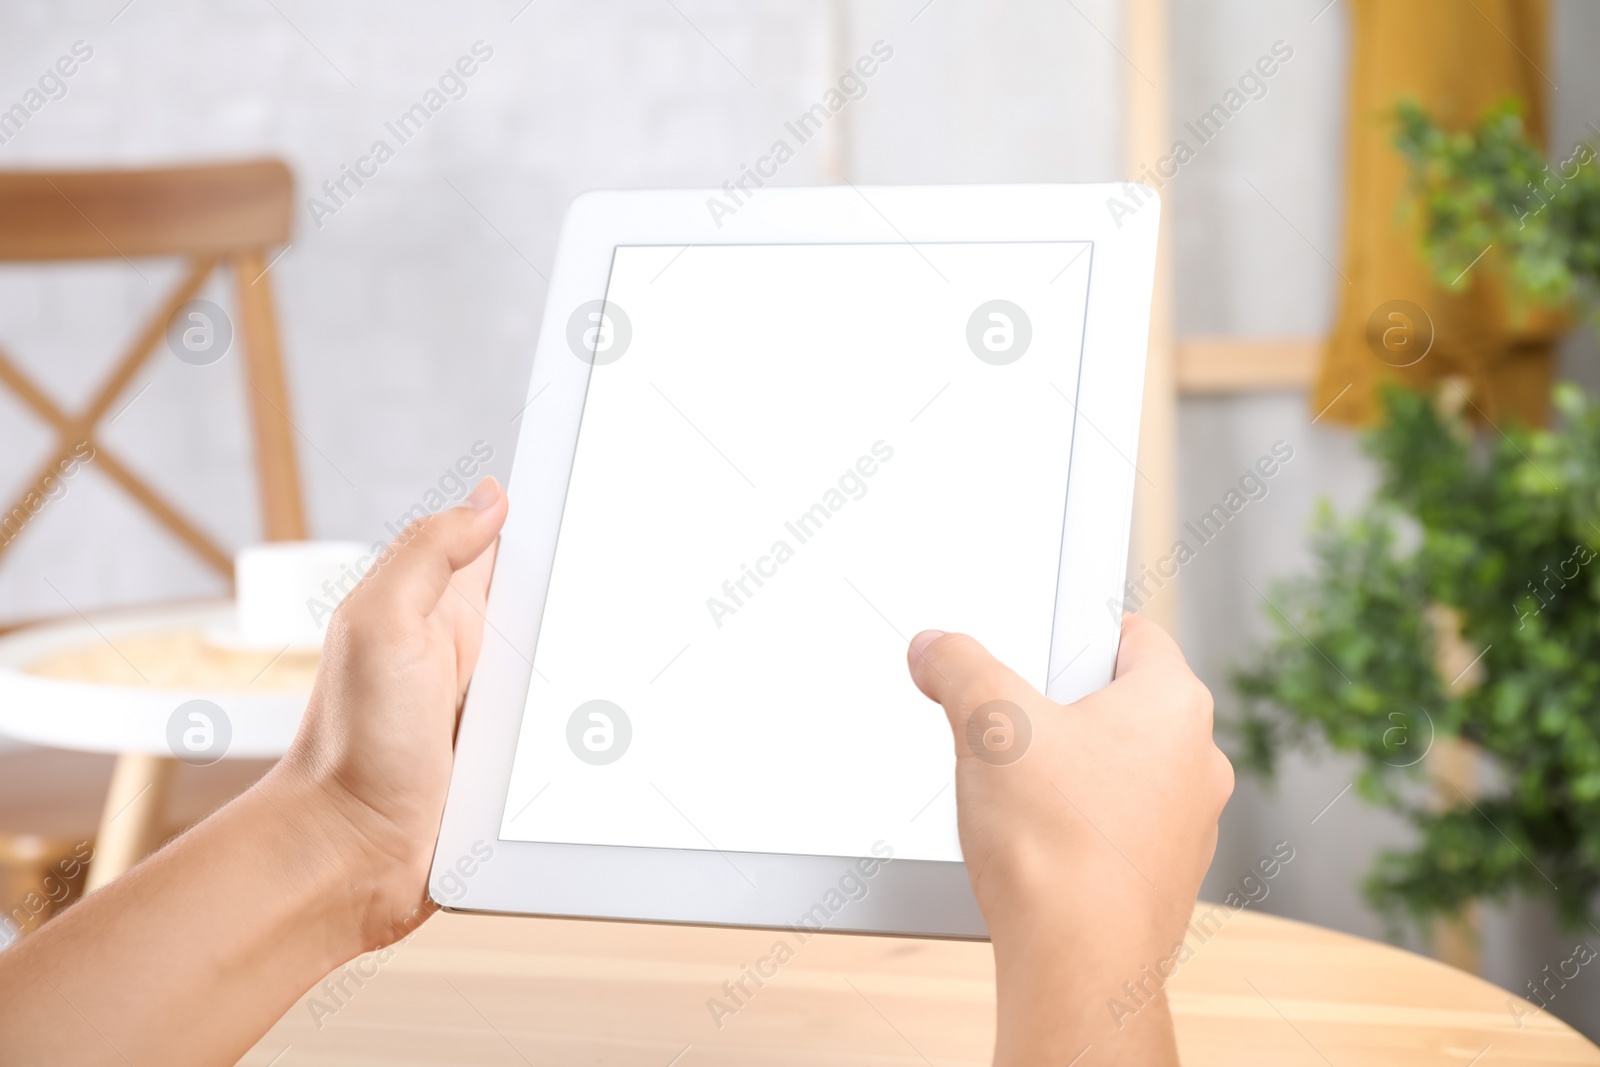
{"points": [[287, 591]]}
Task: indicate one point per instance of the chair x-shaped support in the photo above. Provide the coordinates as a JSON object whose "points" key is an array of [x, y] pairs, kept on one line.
{"points": [[75, 431]]}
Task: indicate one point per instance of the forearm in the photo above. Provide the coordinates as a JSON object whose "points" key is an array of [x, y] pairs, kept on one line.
{"points": [[1065, 959], [197, 951]]}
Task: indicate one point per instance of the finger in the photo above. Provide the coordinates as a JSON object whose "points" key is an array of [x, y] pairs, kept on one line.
{"points": [[464, 611], [426, 556], [1152, 673], [1146, 648], [472, 581], [959, 673]]}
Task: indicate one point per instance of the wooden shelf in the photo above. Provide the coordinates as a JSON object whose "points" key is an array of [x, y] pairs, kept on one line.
{"points": [[1210, 365]]}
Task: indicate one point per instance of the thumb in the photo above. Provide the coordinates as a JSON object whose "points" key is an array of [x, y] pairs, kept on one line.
{"points": [[415, 569], [1147, 654], [959, 673]]}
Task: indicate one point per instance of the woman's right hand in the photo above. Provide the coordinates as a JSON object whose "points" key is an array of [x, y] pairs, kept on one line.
{"points": [[1087, 849]]}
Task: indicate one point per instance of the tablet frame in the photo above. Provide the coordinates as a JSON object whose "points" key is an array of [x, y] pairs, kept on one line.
{"points": [[473, 869]]}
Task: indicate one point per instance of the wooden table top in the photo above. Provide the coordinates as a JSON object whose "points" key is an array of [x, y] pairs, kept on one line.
{"points": [[110, 682], [179, 659], [487, 990]]}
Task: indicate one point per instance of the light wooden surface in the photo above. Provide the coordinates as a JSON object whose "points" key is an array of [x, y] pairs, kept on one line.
{"points": [[130, 822], [179, 658], [1147, 138], [276, 472], [39, 883], [1452, 766], [1246, 364], [167, 211], [1262, 992]]}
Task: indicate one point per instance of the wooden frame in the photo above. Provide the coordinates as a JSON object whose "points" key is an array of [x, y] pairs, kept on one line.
{"points": [[1216, 365], [1210, 366], [219, 215], [1195, 365]]}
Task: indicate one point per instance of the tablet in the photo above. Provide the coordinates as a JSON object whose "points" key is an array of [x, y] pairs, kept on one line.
{"points": [[767, 439]]}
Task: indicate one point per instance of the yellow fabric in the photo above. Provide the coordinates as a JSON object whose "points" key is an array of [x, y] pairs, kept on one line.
{"points": [[1456, 58]]}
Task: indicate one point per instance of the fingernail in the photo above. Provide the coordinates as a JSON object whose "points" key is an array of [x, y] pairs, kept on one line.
{"points": [[485, 493], [923, 640]]}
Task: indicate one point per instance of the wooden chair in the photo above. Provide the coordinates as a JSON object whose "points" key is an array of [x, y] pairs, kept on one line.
{"points": [[215, 216], [226, 214], [44, 876]]}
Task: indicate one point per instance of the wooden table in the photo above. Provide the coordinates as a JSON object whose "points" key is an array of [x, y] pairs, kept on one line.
{"points": [[112, 682], [1263, 991]]}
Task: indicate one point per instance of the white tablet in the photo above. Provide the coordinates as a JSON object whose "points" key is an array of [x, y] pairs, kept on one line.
{"points": [[768, 438]]}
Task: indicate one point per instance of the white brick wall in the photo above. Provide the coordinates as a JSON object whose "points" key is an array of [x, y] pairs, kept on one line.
{"points": [[407, 318]]}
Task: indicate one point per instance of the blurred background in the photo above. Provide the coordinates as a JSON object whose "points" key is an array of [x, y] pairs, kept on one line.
{"points": [[407, 317]]}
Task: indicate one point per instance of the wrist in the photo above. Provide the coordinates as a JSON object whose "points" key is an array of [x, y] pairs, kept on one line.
{"points": [[1068, 946], [1061, 993], [364, 898], [1045, 893]]}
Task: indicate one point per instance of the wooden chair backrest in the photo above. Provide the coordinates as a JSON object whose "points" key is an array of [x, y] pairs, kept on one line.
{"points": [[210, 210], [226, 214]]}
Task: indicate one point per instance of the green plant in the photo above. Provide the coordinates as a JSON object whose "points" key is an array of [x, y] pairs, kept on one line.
{"points": [[1492, 186], [1503, 532], [1498, 529]]}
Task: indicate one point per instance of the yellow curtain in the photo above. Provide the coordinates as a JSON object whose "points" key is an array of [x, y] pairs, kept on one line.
{"points": [[1456, 58]]}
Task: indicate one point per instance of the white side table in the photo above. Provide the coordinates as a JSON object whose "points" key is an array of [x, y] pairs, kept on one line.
{"points": [[138, 668]]}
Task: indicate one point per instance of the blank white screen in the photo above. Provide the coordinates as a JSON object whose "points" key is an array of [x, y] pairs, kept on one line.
{"points": [[756, 381]]}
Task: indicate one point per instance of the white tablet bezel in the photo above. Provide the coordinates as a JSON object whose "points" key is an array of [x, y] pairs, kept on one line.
{"points": [[475, 871]]}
